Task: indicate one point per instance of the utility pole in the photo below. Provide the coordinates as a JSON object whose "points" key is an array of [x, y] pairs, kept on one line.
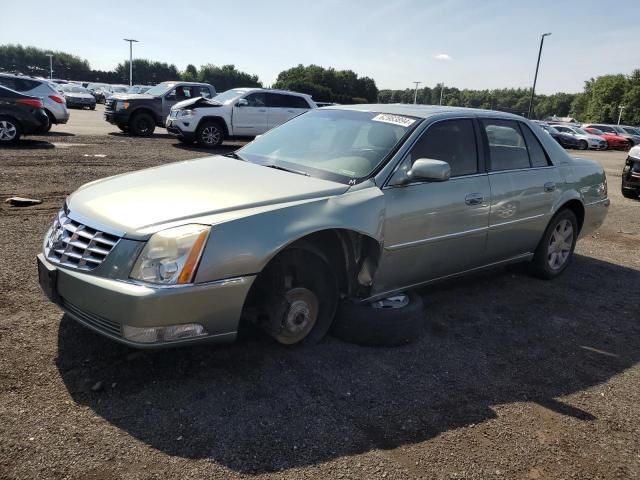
{"points": [[130, 40], [535, 78], [441, 92], [621, 108], [50, 55], [415, 93]]}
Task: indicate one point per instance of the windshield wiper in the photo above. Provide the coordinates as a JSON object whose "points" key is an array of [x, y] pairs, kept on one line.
{"points": [[290, 170]]}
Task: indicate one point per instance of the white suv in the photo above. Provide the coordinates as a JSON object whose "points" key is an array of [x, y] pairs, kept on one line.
{"points": [[236, 113]]}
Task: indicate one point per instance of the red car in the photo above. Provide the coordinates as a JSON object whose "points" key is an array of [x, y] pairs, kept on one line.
{"points": [[615, 141]]}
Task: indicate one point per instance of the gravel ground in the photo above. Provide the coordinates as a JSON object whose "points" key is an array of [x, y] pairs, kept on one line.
{"points": [[515, 378]]}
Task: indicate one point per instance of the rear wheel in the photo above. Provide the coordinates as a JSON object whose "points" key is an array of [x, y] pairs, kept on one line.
{"points": [[295, 297], [142, 124], [209, 134], [10, 130], [555, 250]]}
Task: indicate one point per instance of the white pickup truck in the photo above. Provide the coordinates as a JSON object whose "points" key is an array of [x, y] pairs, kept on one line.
{"points": [[236, 113]]}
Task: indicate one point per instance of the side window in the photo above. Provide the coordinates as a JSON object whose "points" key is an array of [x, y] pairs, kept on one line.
{"points": [[204, 92], [276, 100], [256, 100], [452, 141], [8, 82], [537, 155], [507, 150], [294, 101]]}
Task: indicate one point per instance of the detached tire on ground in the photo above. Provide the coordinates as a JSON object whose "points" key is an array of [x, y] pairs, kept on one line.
{"points": [[387, 323], [142, 124]]}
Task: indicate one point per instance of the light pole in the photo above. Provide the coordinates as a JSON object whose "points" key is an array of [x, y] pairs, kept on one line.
{"points": [[441, 91], [535, 78], [415, 92], [50, 55], [130, 40], [621, 108]]}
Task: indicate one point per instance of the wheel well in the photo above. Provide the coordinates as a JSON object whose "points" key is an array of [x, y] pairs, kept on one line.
{"points": [[578, 210], [140, 110], [52, 118], [218, 120]]}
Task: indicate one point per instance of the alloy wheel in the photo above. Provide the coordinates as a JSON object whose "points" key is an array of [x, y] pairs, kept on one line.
{"points": [[211, 135], [560, 244], [8, 131]]}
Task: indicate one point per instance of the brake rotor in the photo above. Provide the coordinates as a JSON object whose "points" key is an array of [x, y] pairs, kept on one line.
{"points": [[296, 316]]}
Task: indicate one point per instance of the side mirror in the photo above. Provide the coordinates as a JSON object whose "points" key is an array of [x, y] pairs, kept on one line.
{"points": [[171, 95], [243, 102], [430, 170]]}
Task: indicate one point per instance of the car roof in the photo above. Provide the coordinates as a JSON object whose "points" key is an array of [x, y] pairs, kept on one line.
{"points": [[421, 111], [270, 90]]}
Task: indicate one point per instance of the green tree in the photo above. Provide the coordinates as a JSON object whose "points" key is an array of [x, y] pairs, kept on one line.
{"points": [[190, 74], [34, 61], [226, 77]]}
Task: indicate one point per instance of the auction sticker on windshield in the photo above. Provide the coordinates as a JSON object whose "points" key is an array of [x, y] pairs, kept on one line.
{"points": [[394, 119]]}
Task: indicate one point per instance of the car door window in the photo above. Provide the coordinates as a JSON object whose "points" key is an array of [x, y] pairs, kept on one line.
{"points": [[203, 92], [8, 82], [276, 100], [256, 100], [507, 149], [537, 155], [452, 141]]}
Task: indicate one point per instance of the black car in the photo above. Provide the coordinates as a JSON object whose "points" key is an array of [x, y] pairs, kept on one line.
{"points": [[631, 174], [564, 139], [77, 96], [20, 115]]}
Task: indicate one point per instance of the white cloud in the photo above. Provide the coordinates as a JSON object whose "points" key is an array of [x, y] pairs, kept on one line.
{"points": [[442, 56]]}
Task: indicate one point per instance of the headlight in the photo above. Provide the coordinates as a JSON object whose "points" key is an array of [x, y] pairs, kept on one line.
{"points": [[122, 105], [172, 256], [185, 113]]}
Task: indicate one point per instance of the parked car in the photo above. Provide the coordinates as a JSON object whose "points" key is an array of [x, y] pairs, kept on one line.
{"points": [[616, 130], [631, 174], [138, 89], [631, 130], [100, 91], [141, 113], [564, 139], [20, 115], [344, 204], [585, 139], [54, 103], [236, 113], [77, 96], [615, 141], [117, 89]]}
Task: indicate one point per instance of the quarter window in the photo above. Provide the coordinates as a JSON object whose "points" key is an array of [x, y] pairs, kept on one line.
{"points": [[452, 141], [537, 154], [507, 149]]}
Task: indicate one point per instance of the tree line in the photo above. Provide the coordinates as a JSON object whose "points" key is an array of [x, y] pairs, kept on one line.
{"points": [[600, 101]]}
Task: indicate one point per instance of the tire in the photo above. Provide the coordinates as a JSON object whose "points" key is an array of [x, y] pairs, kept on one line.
{"points": [[209, 134], [92, 107], [555, 251], [52, 120], [630, 193], [142, 125], [390, 324], [295, 297], [583, 145], [10, 130], [123, 127]]}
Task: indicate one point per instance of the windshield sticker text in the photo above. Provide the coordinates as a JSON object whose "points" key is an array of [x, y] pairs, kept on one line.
{"points": [[394, 119]]}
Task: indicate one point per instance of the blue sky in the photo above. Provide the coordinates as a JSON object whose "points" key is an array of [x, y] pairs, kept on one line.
{"points": [[465, 43]]}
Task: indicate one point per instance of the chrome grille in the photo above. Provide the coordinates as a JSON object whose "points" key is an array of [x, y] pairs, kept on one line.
{"points": [[72, 244]]}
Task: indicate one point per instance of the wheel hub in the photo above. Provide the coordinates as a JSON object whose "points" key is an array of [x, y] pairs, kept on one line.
{"points": [[297, 316], [560, 244]]}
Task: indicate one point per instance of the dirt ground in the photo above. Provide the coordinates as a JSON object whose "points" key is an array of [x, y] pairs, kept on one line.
{"points": [[515, 377]]}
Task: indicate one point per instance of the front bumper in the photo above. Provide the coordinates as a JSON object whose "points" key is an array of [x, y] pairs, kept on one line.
{"points": [[117, 117], [105, 305], [179, 128]]}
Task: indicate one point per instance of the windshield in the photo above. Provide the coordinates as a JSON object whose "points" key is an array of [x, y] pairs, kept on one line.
{"points": [[95, 86], [74, 89], [161, 88], [619, 130], [119, 89], [337, 145], [228, 96]]}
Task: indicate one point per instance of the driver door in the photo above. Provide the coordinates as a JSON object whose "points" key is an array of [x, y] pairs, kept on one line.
{"points": [[251, 119], [436, 229]]}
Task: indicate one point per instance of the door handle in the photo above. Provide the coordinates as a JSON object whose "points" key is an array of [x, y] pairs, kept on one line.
{"points": [[474, 199], [549, 187]]}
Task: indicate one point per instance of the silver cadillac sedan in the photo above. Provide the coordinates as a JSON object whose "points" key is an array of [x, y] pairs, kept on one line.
{"points": [[341, 204]]}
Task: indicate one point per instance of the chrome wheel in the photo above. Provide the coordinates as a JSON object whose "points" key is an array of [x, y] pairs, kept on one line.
{"points": [[8, 131], [560, 244], [211, 135], [299, 317]]}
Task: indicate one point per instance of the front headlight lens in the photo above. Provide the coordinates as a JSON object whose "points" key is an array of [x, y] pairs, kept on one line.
{"points": [[172, 256], [122, 105], [185, 113]]}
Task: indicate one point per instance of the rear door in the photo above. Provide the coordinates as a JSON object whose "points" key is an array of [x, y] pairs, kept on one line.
{"points": [[435, 229], [525, 185], [251, 119], [283, 107]]}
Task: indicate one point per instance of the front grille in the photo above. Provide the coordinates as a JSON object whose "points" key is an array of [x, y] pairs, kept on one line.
{"points": [[96, 321], [72, 244], [109, 104]]}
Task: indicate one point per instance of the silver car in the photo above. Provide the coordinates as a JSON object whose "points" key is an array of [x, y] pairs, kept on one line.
{"points": [[54, 102], [587, 140], [341, 204]]}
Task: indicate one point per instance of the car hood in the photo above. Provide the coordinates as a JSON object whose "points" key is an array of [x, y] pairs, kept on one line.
{"points": [[132, 96], [78, 95], [200, 101], [148, 199]]}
